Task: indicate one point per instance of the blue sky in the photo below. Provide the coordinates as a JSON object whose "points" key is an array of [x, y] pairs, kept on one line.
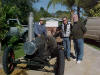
{"points": [[44, 3]]}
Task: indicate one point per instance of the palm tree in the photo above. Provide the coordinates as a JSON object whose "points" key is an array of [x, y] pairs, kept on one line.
{"points": [[67, 3], [71, 3], [53, 2], [85, 4], [77, 2]]}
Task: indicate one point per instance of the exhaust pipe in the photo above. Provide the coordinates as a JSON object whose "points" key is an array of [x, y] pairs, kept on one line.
{"points": [[30, 27], [29, 46]]}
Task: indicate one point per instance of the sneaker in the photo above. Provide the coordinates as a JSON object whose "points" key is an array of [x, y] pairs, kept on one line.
{"points": [[68, 59], [78, 62], [74, 59]]}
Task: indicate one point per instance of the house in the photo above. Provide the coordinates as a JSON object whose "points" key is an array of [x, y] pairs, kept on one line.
{"points": [[52, 24]]}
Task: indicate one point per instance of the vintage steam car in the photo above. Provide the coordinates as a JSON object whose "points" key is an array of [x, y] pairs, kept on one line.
{"points": [[38, 51]]}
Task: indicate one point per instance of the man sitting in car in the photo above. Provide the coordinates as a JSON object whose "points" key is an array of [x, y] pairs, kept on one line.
{"points": [[40, 29]]}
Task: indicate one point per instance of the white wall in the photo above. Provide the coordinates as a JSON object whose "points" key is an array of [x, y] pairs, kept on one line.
{"points": [[51, 23]]}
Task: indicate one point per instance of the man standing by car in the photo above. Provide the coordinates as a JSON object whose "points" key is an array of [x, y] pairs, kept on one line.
{"points": [[78, 32], [40, 29], [66, 31]]}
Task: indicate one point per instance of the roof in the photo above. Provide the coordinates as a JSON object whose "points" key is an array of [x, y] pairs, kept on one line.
{"points": [[51, 18]]}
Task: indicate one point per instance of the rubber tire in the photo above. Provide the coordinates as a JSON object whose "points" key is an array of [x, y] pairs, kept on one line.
{"points": [[5, 61], [60, 64]]}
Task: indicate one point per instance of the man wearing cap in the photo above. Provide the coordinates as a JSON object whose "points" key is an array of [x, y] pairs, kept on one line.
{"points": [[40, 29]]}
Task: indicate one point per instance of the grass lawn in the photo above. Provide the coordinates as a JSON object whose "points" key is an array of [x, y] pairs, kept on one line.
{"points": [[1, 53], [19, 52], [93, 43], [94, 46]]}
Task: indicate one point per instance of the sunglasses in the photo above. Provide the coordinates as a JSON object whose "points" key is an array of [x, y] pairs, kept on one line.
{"points": [[41, 20], [64, 20]]}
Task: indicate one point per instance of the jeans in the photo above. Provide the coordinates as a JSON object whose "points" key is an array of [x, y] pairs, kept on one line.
{"points": [[66, 44], [79, 48]]}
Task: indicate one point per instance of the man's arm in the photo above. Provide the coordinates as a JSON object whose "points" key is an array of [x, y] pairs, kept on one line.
{"points": [[45, 31], [36, 31], [71, 27], [84, 29]]}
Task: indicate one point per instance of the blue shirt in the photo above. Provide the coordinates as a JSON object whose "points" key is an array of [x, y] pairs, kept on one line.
{"points": [[40, 29]]}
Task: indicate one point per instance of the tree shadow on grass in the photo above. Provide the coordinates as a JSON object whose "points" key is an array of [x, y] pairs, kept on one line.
{"points": [[92, 42]]}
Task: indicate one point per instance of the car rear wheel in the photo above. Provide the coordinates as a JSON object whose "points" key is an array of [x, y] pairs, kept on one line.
{"points": [[8, 59], [60, 64]]}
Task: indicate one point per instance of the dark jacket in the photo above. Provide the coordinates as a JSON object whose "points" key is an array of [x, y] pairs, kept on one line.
{"points": [[60, 34], [78, 30]]}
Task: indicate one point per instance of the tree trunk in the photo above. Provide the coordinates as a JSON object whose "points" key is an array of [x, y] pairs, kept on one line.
{"points": [[78, 11], [0, 46]]}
